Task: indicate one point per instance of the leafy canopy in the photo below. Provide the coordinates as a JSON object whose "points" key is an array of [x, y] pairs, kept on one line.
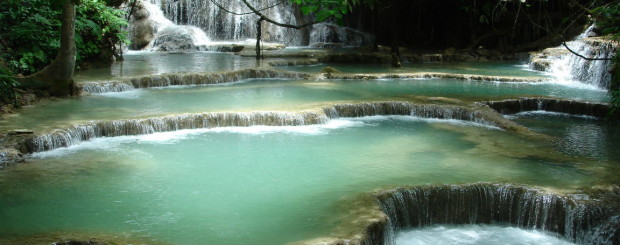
{"points": [[325, 9]]}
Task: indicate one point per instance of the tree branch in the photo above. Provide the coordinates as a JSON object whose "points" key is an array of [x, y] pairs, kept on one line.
{"points": [[581, 56], [251, 12], [262, 16]]}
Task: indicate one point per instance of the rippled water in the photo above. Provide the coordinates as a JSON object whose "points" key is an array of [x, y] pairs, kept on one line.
{"points": [[140, 63], [259, 185], [272, 185]]}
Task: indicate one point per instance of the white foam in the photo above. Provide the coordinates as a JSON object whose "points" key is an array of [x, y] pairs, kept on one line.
{"points": [[129, 94], [113, 143], [476, 234]]}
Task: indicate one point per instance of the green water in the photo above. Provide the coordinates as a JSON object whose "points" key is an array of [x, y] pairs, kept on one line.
{"points": [[254, 95], [490, 68], [272, 185], [139, 63], [577, 135], [258, 185]]}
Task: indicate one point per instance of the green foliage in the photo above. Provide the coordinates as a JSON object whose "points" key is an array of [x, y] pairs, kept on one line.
{"points": [[608, 19], [30, 31], [97, 27], [325, 9], [7, 86]]}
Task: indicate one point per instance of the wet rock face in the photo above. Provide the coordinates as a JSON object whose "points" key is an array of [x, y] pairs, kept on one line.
{"points": [[142, 28], [176, 38], [9, 156]]}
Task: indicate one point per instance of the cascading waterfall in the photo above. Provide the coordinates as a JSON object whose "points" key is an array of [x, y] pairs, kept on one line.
{"points": [[221, 25], [595, 72], [151, 30], [76, 134], [576, 220], [567, 67]]}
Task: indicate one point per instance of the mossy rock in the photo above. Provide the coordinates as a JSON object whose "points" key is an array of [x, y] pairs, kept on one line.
{"points": [[330, 70]]}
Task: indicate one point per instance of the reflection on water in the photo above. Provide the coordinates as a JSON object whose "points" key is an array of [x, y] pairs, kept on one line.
{"points": [[140, 63], [577, 135]]}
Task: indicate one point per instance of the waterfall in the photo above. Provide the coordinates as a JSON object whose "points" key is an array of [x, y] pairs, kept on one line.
{"points": [[423, 111], [567, 67], [76, 134], [595, 72], [547, 104], [222, 26], [576, 220]]}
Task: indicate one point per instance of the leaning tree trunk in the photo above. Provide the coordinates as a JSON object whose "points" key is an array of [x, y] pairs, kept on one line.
{"points": [[57, 76]]}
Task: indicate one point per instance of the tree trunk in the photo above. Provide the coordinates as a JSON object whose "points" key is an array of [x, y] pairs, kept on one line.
{"points": [[259, 31], [57, 76], [395, 50]]}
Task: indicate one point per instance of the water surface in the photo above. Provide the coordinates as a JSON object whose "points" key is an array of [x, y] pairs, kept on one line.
{"points": [[270, 94], [256, 185]]}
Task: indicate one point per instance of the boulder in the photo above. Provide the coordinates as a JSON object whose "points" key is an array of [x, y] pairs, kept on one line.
{"points": [[179, 38]]}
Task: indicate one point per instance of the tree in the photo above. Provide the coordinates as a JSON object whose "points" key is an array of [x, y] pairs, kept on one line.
{"points": [[57, 77]]}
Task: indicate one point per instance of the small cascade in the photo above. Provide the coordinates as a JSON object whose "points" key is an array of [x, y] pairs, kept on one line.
{"points": [[151, 30], [185, 79], [595, 72], [573, 107], [105, 87], [410, 109], [78, 133], [568, 68], [575, 220]]}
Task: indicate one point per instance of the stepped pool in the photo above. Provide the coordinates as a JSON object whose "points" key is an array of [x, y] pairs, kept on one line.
{"points": [[276, 94], [262, 184]]}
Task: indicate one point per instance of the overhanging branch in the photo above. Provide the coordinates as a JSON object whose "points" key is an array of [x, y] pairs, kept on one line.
{"points": [[251, 12], [262, 16], [581, 56]]}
